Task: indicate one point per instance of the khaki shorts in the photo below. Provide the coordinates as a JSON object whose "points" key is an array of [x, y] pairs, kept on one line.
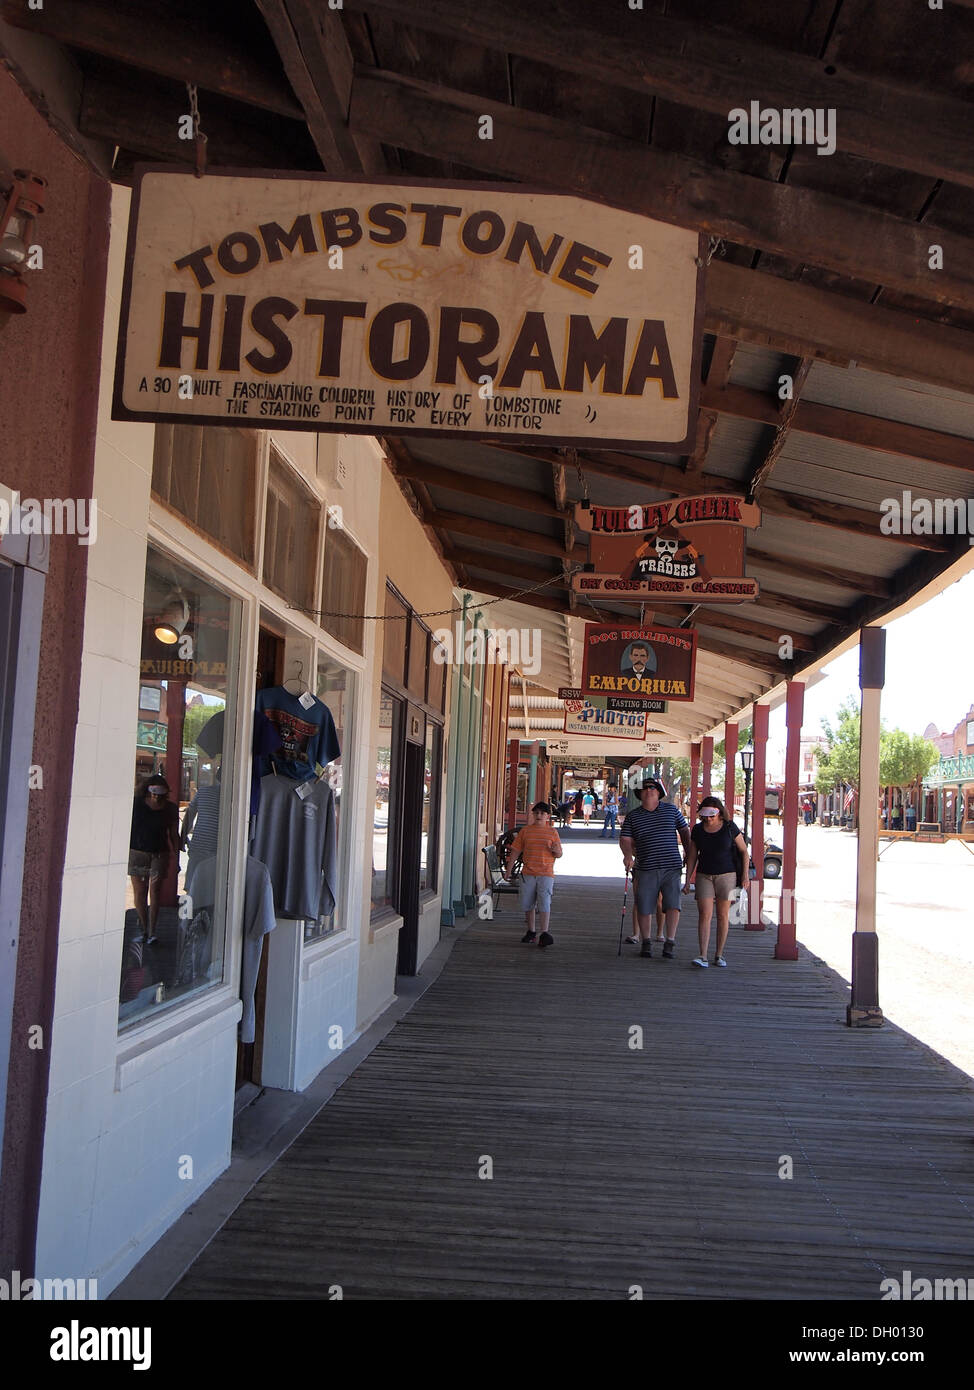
{"points": [[719, 886], [144, 864]]}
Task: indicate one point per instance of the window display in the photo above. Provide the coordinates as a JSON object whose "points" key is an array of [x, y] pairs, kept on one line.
{"points": [[386, 798], [173, 945], [335, 686]]}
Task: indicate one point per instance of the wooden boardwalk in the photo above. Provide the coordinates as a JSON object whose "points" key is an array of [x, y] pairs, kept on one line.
{"points": [[615, 1166]]}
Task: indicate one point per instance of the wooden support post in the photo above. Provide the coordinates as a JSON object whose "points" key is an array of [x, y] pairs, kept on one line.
{"points": [[708, 761], [755, 921], [513, 756], [786, 947], [730, 758], [863, 1009], [694, 780]]}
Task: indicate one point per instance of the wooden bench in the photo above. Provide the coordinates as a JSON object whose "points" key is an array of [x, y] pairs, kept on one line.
{"points": [[496, 882]]}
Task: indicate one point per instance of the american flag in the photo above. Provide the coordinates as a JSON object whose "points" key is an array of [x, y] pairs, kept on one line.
{"points": [[850, 794]]}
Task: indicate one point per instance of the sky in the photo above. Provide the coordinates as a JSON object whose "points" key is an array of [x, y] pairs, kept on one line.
{"points": [[929, 670]]}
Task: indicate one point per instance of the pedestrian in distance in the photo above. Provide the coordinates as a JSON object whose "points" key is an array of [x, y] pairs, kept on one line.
{"points": [[539, 846], [611, 812], [649, 837], [588, 806], [719, 855]]}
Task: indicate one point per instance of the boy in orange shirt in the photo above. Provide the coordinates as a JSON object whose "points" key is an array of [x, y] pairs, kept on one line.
{"points": [[539, 846]]}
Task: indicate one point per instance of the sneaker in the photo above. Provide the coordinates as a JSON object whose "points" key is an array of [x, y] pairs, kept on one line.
{"points": [[699, 960], [668, 948], [720, 961], [546, 939], [632, 940], [647, 948], [528, 937]]}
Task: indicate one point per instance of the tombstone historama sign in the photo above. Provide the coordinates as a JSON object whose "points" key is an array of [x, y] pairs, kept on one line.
{"points": [[472, 310]]}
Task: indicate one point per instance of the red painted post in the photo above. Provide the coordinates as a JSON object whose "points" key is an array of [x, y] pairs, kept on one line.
{"points": [[786, 947], [756, 887], [514, 756], [730, 757], [708, 760], [694, 780]]}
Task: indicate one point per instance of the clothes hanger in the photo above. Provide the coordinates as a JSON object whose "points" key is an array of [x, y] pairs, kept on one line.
{"points": [[299, 677]]}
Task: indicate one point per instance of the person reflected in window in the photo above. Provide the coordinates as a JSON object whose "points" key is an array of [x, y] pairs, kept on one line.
{"points": [[154, 837]]}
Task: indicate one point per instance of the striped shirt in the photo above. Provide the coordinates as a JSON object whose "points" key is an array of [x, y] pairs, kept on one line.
{"points": [[653, 834]]}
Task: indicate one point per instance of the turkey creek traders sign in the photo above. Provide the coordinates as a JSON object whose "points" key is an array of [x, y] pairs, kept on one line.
{"points": [[477, 310], [625, 659], [691, 547]]}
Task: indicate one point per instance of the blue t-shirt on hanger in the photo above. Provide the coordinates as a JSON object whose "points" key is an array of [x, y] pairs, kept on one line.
{"points": [[308, 736]]}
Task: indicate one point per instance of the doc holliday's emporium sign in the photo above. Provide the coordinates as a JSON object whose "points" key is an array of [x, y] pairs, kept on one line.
{"points": [[691, 547], [626, 659], [605, 723], [416, 308]]}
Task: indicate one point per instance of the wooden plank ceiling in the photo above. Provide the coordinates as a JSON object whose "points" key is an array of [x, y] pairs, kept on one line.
{"points": [[812, 259]]}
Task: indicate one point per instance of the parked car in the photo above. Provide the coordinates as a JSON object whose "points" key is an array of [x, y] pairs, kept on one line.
{"points": [[772, 861]]}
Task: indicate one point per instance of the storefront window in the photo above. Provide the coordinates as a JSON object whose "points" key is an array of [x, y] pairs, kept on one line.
{"points": [[386, 799], [430, 838], [336, 685], [175, 907], [290, 535]]}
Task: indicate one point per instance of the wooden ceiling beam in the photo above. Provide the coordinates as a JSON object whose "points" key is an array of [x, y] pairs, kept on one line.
{"points": [[858, 521], [807, 608], [846, 426], [712, 69], [794, 317], [472, 485], [153, 41], [145, 119], [762, 472], [749, 627], [766, 662], [845, 578], [497, 590], [516, 537], [801, 224], [318, 62], [494, 563]]}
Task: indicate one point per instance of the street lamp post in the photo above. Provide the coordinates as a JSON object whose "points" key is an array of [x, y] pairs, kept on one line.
{"points": [[747, 763]]}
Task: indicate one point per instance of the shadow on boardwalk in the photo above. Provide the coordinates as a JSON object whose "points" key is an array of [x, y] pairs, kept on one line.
{"points": [[615, 1166]]}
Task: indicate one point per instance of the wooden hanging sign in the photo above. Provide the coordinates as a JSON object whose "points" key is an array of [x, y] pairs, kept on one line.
{"points": [[474, 310], [685, 548]]}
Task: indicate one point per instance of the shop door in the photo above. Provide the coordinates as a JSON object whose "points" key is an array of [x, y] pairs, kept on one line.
{"points": [[412, 831], [270, 670]]}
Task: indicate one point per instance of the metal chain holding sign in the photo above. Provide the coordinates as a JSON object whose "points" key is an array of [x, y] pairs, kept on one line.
{"points": [[198, 137]]}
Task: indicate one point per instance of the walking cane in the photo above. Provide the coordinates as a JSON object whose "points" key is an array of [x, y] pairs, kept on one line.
{"points": [[622, 924]]}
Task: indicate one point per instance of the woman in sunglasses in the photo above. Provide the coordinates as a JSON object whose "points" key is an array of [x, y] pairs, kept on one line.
{"points": [[154, 838], [719, 854]]}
